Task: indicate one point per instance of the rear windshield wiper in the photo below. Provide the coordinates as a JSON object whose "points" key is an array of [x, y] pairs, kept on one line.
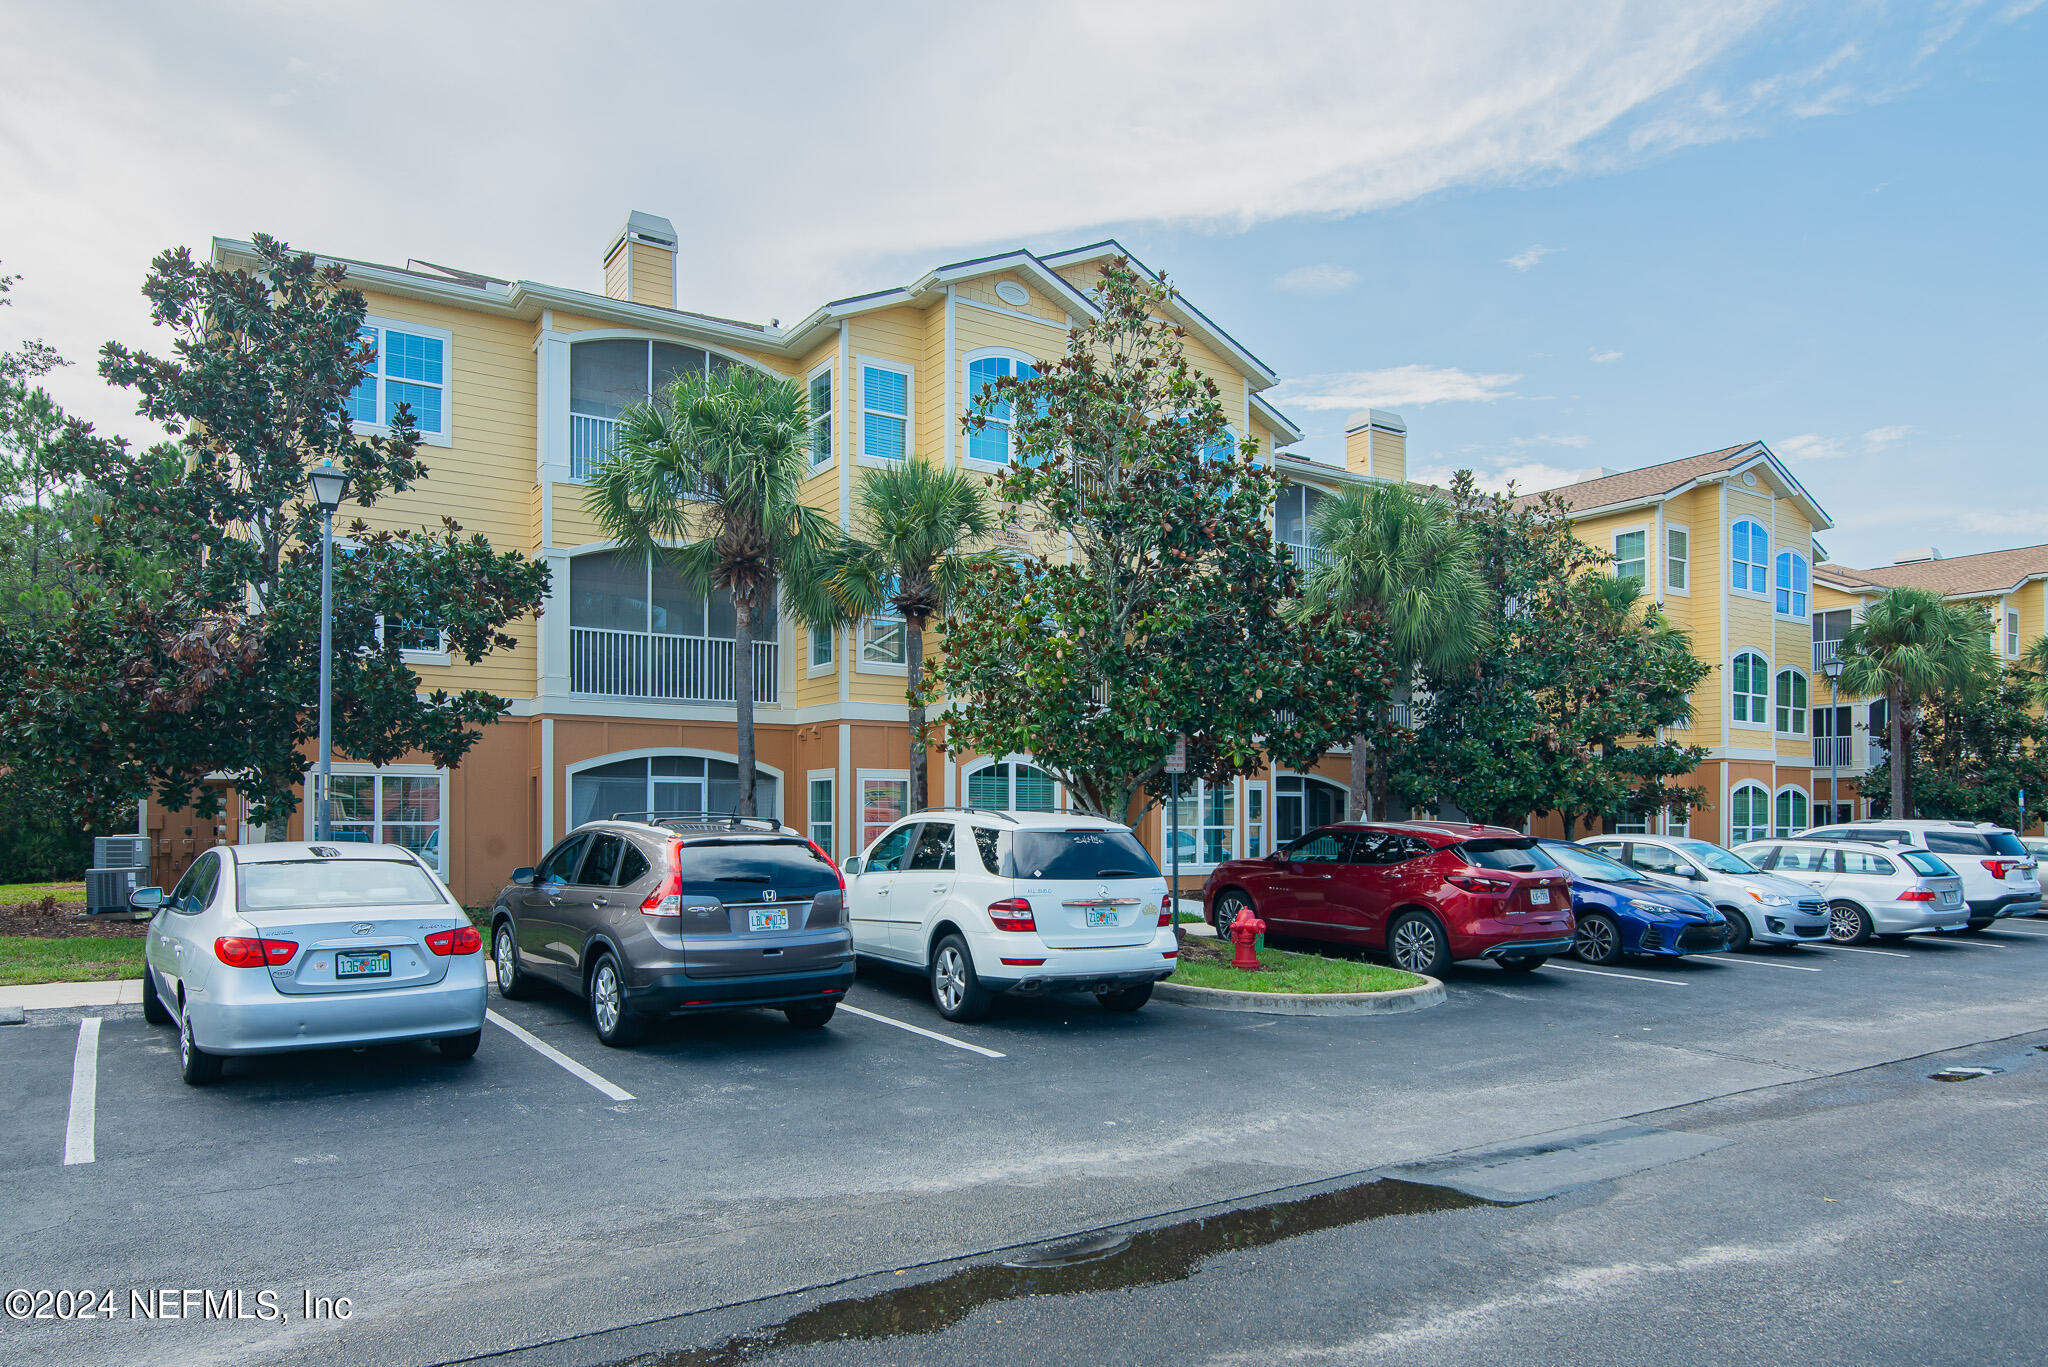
{"points": [[1116, 873], [741, 878]]}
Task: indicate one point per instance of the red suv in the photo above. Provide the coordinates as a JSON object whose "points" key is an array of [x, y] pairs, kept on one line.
{"points": [[1426, 892]]}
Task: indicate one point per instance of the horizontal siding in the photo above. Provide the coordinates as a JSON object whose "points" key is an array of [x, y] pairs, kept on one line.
{"points": [[982, 290]]}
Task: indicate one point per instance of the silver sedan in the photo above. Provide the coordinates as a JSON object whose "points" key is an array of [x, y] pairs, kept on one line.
{"points": [[263, 949]]}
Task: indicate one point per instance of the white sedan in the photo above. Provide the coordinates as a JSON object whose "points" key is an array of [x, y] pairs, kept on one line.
{"points": [[264, 949]]}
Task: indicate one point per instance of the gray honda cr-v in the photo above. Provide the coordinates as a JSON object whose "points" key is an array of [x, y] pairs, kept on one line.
{"points": [[683, 914]]}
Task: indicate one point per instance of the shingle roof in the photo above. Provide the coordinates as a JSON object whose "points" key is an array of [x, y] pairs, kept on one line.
{"points": [[1648, 482], [1987, 572]]}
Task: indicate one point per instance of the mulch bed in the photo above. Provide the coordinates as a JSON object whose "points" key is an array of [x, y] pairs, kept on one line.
{"points": [[1198, 948], [51, 919]]}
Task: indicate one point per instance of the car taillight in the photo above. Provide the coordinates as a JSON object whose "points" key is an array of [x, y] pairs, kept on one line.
{"points": [[667, 897], [1917, 895], [244, 951], [828, 861], [458, 940], [2001, 867], [1012, 913], [1479, 882], [1166, 910]]}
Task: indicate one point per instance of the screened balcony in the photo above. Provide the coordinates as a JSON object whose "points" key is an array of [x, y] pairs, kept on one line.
{"points": [[606, 378], [1294, 525], [635, 631]]}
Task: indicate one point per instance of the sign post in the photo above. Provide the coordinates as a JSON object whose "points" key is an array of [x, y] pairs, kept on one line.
{"points": [[1176, 765]]}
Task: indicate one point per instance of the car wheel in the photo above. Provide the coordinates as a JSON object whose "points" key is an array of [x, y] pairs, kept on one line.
{"points": [[1848, 924], [1125, 998], [811, 1015], [1228, 905], [197, 1066], [1598, 938], [1977, 925], [514, 982], [956, 990], [1526, 965], [1418, 944], [618, 1024], [1738, 930], [153, 1009], [458, 1047]]}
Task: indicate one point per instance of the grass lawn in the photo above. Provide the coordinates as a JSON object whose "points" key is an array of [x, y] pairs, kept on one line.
{"points": [[1286, 971], [11, 893], [24, 959]]}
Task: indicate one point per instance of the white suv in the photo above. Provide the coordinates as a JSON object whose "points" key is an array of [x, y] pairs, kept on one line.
{"points": [[983, 901], [1999, 876]]}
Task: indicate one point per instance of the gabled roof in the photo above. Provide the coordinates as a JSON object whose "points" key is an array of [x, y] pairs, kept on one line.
{"points": [[1653, 483], [1280, 422], [1962, 576], [1188, 315]]}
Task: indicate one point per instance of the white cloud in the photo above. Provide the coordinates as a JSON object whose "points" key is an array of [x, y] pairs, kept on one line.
{"points": [[1598, 357], [1574, 440], [1527, 477], [1323, 278], [1878, 438], [1403, 386], [1810, 446], [1529, 256]]}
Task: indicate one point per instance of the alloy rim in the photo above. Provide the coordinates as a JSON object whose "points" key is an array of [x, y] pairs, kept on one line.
{"points": [[1596, 939], [1843, 923], [605, 998], [1414, 946], [502, 952], [952, 979], [185, 1041]]}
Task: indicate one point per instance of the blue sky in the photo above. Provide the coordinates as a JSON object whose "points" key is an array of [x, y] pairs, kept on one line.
{"points": [[1557, 235]]}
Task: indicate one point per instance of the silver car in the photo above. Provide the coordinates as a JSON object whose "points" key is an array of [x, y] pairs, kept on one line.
{"points": [[262, 949], [1763, 908], [1871, 888]]}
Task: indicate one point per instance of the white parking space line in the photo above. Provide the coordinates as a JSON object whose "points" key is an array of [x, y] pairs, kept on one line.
{"points": [[920, 1030], [2029, 932], [1759, 963], [1966, 944], [85, 1087], [1852, 949], [1604, 973], [549, 1052]]}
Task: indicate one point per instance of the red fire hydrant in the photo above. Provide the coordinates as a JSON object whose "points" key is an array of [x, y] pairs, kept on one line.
{"points": [[1245, 929]]}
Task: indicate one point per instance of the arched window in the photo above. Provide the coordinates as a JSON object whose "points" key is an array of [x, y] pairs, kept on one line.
{"points": [[1749, 813], [1794, 582], [1750, 681], [1749, 557], [673, 783], [1012, 786], [1791, 813], [609, 376], [1791, 692], [991, 444]]}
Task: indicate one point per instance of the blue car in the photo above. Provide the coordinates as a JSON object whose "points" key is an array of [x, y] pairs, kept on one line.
{"points": [[1621, 911]]}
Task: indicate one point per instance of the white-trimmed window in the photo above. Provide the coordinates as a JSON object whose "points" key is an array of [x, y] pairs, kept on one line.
{"points": [[821, 415], [1208, 822], [2012, 634], [399, 804], [417, 635], [991, 445], [1794, 584], [1791, 691], [818, 660], [1749, 688], [1628, 825], [884, 799], [1749, 557], [675, 782], [1631, 555], [1677, 821], [884, 410], [1792, 813], [1677, 560], [884, 637], [1254, 820], [818, 822], [411, 367], [1012, 785], [1749, 813]]}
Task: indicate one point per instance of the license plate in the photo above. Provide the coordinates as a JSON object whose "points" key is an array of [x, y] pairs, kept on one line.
{"points": [[1949, 899], [1101, 918], [1539, 897], [362, 963], [778, 919]]}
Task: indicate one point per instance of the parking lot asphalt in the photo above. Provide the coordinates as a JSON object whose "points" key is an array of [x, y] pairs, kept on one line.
{"points": [[510, 1201]]}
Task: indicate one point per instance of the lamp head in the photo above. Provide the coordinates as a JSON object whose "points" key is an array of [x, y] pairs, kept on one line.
{"points": [[327, 484], [1832, 668]]}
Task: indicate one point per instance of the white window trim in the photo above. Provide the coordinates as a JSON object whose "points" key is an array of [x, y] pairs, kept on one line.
{"points": [[1197, 791], [1769, 561], [1059, 790], [2010, 633], [447, 339], [831, 822], [1264, 825], [570, 771], [1784, 789], [1804, 711], [861, 779], [968, 396], [1770, 675], [1791, 593], [440, 656], [352, 769], [909, 373], [812, 669], [1770, 811], [830, 415], [861, 663], [1669, 588], [1614, 550]]}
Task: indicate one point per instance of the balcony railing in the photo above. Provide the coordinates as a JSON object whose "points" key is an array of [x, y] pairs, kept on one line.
{"points": [[639, 664], [591, 442], [1308, 559], [1823, 651], [1831, 752]]}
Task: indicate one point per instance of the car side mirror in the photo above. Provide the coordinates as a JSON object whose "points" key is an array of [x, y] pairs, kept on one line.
{"points": [[146, 899], [525, 877], [1690, 872], [1277, 857], [852, 866]]}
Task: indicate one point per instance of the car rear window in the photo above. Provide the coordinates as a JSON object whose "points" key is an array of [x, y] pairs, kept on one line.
{"points": [[1975, 842], [1511, 855], [1592, 864], [1085, 852], [741, 869], [1922, 862], [324, 884]]}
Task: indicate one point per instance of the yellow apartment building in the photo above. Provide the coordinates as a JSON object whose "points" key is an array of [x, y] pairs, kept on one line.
{"points": [[2009, 586], [1724, 543], [620, 687]]}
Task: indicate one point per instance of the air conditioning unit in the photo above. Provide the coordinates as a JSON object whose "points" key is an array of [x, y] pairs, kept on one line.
{"points": [[106, 890], [120, 851]]}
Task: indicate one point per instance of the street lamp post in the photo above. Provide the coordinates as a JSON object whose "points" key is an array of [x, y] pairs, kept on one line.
{"points": [[327, 484], [1832, 667]]}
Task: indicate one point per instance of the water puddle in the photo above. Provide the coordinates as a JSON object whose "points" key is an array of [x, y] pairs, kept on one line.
{"points": [[1105, 1262]]}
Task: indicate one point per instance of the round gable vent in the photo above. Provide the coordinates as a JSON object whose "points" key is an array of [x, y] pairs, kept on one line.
{"points": [[1012, 293], [1749, 478]]}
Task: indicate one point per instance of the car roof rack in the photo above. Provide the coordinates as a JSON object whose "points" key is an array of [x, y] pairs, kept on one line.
{"points": [[729, 820], [996, 812]]}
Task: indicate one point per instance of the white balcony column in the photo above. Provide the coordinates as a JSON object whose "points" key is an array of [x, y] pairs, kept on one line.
{"points": [[554, 627], [552, 352]]}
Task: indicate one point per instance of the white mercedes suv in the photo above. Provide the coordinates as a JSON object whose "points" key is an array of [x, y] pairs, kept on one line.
{"points": [[983, 901]]}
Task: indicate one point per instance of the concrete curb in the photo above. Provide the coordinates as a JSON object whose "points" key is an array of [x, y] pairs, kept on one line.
{"points": [[1431, 993]]}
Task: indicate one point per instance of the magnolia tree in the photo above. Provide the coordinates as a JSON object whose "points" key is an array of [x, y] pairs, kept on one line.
{"points": [[1154, 608], [150, 685]]}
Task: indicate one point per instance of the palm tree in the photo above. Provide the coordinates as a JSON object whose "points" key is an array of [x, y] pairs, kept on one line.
{"points": [[707, 476], [910, 554], [1910, 645], [1402, 560]]}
